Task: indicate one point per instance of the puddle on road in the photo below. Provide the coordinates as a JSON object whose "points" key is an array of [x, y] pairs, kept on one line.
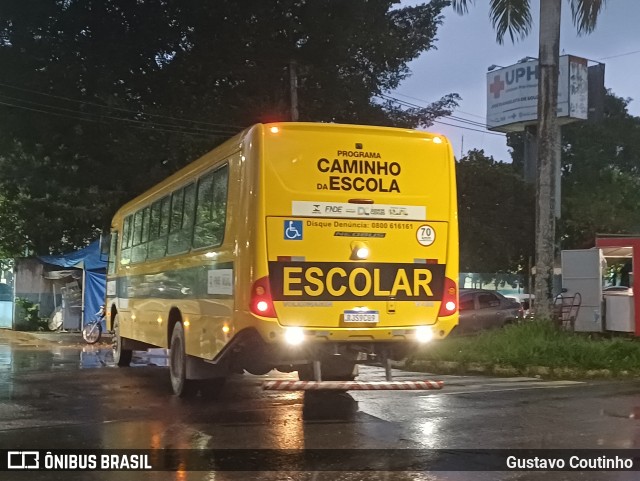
{"points": [[30, 358], [91, 357]]}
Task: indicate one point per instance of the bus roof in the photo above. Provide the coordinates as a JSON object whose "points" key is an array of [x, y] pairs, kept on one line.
{"points": [[232, 144]]}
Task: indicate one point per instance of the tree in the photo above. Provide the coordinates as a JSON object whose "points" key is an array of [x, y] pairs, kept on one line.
{"points": [[75, 136], [600, 175], [514, 17], [495, 214], [100, 100]]}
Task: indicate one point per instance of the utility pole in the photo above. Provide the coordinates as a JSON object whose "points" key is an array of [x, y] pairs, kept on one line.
{"points": [[548, 153], [293, 87]]}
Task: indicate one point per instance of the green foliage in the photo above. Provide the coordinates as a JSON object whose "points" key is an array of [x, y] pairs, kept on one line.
{"points": [[28, 316], [496, 216], [94, 94], [507, 16], [600, 175], [537, 343]]}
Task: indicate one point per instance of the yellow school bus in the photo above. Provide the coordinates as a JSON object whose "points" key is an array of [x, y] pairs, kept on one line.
{"points": [[292, 246]]}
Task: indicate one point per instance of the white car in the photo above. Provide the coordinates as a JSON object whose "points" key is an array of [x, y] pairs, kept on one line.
{"points": [[525, 301]]}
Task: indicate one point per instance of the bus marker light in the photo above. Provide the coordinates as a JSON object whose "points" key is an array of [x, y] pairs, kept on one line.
{"points": [[449, 303], [274, 130], [294, 335], [359, 250], [261, 301]]}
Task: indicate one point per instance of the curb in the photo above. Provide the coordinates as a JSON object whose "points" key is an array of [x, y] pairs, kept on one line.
{"points": [[454, 367]]}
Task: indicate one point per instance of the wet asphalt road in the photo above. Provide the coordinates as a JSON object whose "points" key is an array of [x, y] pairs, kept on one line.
{"points": [[71, 397]]}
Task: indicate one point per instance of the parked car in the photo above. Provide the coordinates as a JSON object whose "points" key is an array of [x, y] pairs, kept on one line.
{"points": [[483, 309], [525, 301]]}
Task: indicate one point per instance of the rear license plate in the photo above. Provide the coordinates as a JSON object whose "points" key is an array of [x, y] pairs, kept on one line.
{"points": [[361, 316]]}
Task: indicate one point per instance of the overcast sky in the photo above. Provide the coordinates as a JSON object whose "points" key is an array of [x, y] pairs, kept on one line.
{"points": [[466, 46]]}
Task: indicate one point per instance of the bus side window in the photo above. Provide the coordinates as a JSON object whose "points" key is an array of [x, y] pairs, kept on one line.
{"points": [[211, 213], [140, 235], [165, 216], [175, 220], [125, 250], [154, 221], [186, 233], [177, 202], [220, 186], [137, 228], [113, 247], [137, 235], [158, 227], [202, 235], [176, 244]]}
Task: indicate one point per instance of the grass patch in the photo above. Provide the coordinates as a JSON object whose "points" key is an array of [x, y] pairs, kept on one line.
{"points": [[537, 343]]}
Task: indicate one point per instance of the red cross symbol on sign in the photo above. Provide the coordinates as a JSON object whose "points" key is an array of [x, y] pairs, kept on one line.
{"points": [[496, 87]]}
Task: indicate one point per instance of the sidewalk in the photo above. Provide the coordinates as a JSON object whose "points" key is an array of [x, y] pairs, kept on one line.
{"points": [[70, 338]]}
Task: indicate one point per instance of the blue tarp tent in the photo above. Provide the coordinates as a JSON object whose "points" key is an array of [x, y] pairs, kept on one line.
{"points": [[93, 290]]}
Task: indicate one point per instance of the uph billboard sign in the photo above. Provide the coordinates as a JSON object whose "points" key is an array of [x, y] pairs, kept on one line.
{"points": [[512, 94]]}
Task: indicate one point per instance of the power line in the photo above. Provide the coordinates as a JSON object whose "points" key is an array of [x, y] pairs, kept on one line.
{"points": [[454, 118], [46, 112], [468, 128], [60, 97], [91, 115], [620, 55], [479, 116], [426, 102], [472, 115], [85, 119]]}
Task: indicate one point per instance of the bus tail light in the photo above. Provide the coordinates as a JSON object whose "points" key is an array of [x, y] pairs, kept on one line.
{"points": [[261, 302], [449, 303]]}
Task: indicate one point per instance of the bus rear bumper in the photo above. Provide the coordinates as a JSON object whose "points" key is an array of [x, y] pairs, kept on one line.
{"points": [[248, 351]]}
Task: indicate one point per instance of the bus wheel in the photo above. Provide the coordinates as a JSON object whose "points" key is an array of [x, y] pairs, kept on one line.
{"points": [[331, 370], [122, 357], [178, 363]]}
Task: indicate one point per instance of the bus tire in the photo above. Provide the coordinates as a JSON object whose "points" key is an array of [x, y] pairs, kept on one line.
{"points": [[122, 357], [331, 370], [181, 386]]}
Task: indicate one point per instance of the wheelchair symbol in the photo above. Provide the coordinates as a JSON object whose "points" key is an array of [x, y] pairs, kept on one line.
{"points": [[293, 230]]}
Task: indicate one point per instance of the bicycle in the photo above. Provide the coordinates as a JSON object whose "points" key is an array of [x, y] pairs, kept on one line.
{"points": [[92, 330]]}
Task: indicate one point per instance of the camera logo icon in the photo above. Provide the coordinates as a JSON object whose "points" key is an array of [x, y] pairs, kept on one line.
{"points": [[23, 460]]}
